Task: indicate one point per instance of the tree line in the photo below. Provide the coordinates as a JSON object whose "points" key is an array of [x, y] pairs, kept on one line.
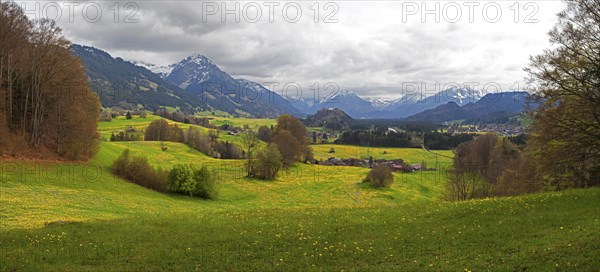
{"points": [[445, 141], [377, 138], [207, 143], [562, 149], [46, 103], [392, 138], [181, 117]]}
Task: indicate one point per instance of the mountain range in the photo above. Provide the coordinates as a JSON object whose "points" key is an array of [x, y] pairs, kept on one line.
{"points": [[119, 82], [346, 101], [196, 83], [193, 84], [499, 104], [375, 108]]}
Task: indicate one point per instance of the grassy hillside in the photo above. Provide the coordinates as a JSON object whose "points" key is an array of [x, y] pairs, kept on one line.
{"points": [[120, 123], [91, 193], [137, 122], [73, 217], [410, 155], [552, 231], [321, 151], [253, 123]]}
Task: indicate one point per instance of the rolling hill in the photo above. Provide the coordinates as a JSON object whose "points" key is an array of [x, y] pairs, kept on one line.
{"points": [[77, 216], [90, 220], [334, 119]]}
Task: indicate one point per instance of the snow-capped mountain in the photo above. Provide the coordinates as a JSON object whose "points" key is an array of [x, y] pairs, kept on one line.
{"points": [[462, 95], [405, 106], [197, 83], [411, 104], [338, 95], [380, 103], [404, 100], [194, 70], [119, 82], [193, 84], [199, 75], [347, 101], [493, 104], [160, 70]]}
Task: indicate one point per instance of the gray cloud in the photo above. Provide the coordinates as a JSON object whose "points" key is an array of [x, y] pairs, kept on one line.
{"points": [[371, 50]]}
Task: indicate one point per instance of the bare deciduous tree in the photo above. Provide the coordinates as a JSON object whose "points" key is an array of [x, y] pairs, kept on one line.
{"points": [[249, 143], [565, 138]]}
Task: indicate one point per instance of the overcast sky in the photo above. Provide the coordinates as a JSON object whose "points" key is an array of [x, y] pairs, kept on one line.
{"points": [[372, 48]]}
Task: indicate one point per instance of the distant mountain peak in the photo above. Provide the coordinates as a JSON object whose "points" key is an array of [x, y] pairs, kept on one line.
{"points": [[345, 100], [380, 103], [195, 69], [461, 95], [198, 58], [346, 93], [200, 76], [340, 94], [160, 70]]}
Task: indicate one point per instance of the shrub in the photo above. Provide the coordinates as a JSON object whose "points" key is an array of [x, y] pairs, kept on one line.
{"points": [[184, 179], [181, 179], [307, 154], [267, 163], [121, 164], [105, 116], [206, 185], [128, 115], [140, 172], [380, 177]]}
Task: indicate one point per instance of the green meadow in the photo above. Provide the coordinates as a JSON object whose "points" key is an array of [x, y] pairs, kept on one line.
{"points": [[78, 217]]}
